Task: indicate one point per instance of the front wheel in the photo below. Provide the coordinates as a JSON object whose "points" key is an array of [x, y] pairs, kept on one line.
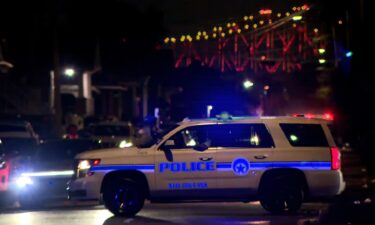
{"points": [[123, 197], [281, 196]]}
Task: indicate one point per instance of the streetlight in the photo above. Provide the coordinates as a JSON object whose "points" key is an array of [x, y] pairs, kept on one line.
{"points": [[247, 84], [69, 72]]}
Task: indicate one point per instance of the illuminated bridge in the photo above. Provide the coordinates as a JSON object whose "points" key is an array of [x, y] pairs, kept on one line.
{"points": [[265, 42]]}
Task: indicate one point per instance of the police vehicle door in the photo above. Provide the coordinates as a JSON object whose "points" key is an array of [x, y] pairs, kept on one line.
{"points": [[185, 164], [243, 153]]}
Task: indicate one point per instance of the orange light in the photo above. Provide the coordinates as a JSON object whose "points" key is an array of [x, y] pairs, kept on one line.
{"points": [[230, 31], [214, 35], [247, 26], [279, 15], [261, 22], [251, 17], [287, 14], [265, 11], [238, 30], [215, 29], [340, 22], [173, 40], [316, 30], [222, 34], [228, 25], [245, 18], [166, 40], [255, 25]]}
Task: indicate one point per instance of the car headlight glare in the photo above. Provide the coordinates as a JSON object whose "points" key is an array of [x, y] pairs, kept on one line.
{"points": [[84, 165], [23, 181], [125, 144]]}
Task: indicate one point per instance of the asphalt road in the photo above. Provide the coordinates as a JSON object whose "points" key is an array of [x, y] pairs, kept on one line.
{"points": [[182, 213]]}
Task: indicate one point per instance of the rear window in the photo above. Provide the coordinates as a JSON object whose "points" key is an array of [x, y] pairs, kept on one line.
{"points": [[304, 135]]}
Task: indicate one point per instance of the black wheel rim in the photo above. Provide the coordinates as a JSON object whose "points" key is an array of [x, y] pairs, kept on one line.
{"points": [[126, 198]]}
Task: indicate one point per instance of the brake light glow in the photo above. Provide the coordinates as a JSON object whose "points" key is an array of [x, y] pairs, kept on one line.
{"points": [[335, 158], [96, 162], [328, 116]]}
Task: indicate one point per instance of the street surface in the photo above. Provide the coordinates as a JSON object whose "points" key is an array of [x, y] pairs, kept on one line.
{"points": [[183, 213]]}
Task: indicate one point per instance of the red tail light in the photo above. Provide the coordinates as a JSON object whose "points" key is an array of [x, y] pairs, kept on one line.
{"points": [[95, 162], [335, 158]]}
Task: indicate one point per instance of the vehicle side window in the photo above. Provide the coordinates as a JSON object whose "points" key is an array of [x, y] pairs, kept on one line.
{"points": [[241, 136], [304, 135], [191, 137]]}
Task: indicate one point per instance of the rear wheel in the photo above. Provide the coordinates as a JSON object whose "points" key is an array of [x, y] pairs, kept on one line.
{"points": [[123, 197], [282, 195]]}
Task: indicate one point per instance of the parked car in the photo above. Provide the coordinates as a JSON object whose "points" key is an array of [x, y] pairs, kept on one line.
{"points": [[45, 175], [112, 134], [17, 129], [14, 152]]}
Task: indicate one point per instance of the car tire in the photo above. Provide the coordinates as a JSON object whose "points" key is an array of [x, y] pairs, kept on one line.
{"points": [[282, 195], [123, 198]]}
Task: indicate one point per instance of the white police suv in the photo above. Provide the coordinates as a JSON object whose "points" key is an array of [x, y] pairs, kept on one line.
{"points": [[281, 161]]}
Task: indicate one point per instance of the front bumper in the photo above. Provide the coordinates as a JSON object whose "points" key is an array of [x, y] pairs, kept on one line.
{"points": [[86, 188], [44, 188]]}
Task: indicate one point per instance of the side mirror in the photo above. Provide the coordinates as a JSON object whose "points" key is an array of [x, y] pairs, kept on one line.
{"points": [[201, 148], [166, 147], [169, 143]]}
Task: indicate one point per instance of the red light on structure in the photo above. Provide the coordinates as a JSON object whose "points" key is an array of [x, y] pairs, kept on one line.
{"points": [[265, 11], [328, 116], [305, 7], [309, 116], [335, 158]]}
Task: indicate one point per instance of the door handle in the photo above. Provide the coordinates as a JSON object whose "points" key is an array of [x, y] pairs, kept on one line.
{"points": [[205, 158], [260, 156]]}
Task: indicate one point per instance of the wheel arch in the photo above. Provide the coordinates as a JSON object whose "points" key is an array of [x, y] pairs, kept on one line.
{"points": [[135, 175], [282, 173]]}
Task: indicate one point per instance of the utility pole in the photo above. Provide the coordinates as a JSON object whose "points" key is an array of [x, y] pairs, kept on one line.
{"points": [[145, 96], [56, 80]]}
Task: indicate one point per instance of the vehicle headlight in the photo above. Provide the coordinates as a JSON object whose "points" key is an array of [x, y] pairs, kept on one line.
{"points": [[83, 167], [125, 144], [24, 181]]}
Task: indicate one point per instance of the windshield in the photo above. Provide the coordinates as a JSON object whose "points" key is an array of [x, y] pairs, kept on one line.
{"points": [[12, 128], [147, 139], [64, 150], [111, 130], [22, 146]]}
